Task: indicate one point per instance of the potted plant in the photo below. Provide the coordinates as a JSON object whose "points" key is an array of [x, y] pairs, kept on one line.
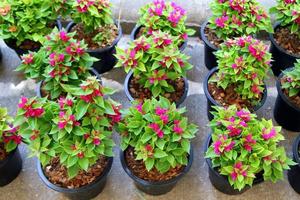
{"points": [[231, 18], [93, 22], [155, 141], [287, 106], [285, 42], [294, 172], [61, 60], [165, 16], [243, 64], [10, 158], [154, 67], [23, 24], [71, 138], [243, 150]]}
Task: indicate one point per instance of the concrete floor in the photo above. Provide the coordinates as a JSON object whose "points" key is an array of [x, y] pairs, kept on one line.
{"points": [[194, 186]]}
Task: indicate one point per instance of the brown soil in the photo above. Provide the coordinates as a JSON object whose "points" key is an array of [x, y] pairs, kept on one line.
{"points": [[212, 37], [228, 97], [138, 168], [286, 40], [137, 91], [294, 99], [111, 30], [25, 45], [3, 153], [57, 174]]}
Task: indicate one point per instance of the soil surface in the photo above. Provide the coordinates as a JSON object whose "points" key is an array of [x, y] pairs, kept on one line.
{"points": [[25, 45], [212, 37], [138, 91], [286, 40], [138, 168], [229, 96], [294, 99], [57, 174], [3, 153], [110, 30]]}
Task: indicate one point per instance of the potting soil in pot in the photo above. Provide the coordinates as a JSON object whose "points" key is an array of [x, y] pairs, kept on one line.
{"points": [[138, 168], [138, 91], [286, 40], [58, 175], [294, 99], [3, 153], [110, 34], [212, 37]]}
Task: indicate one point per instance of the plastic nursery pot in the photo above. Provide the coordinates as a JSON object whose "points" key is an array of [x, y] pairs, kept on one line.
{"points": [[294, 172], [39, 84], [212, 102], [12, 43], [106, 57], [220, 182], [282, 59], [135, 31], [286, 113], [83, 193], [10, 167], [158, 187], [210, 59], [129, 76]]}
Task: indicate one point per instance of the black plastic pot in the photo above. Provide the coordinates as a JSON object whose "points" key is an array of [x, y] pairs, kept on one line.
{"points": [[155, 188], [210, 59], [0, 54], [294, 172], [129, 76], [220, 182], [281, 58], [10, 167], [83, 193], [212, 102], [12, 43], [106, 57], [136, 30], [39, 84], [286, 113]]}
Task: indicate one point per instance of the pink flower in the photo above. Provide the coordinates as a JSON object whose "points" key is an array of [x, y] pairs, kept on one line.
{"points": [[238, 170], [62, 125], [270, 135], [63, 36], [184, 36], [233, 131], [96, 141], [290, 1], [160, 111], [220, 22], [223, 145], [237, 5], [27, 59], [243, 123], [249, 142], [23, 102], [244, 115], [241, 42], [139, 107], [255, 89], [177, 129], [164, 118], [155, 127]]}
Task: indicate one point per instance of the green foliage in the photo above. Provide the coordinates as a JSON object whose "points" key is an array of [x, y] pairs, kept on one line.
{"points": [[155, 60], [77, 129], [165, 16], [243, 62], [288, 13], [244, 146], [291, 80], [61, 60], [158, 132], [235, 18]]}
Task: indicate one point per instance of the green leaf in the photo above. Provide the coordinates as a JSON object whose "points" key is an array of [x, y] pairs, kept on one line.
{"points": [[84, 163], [159, 153], [149, 163], [81, 109]]}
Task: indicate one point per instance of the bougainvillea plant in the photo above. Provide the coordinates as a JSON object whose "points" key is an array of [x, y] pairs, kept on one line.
{"points": [[61, 60], [26, 20], [94, 16], [291, 80], [243, 62], [234, 18], [288, 13], [243, 146], [77, 129], [158, 132], [165, 16], [8, 133], [155, 61]]}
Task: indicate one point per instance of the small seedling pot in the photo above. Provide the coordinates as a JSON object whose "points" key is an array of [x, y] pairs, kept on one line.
{"points": [[294, 172]]}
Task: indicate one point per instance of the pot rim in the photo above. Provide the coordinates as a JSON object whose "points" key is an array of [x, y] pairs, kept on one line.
{"points": [[204, 38], [211, 99], [107, 48], [157, 183], [127, 92], [75, 190], [273, 41], [137, 27], [281, 94], [296, 146]]}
